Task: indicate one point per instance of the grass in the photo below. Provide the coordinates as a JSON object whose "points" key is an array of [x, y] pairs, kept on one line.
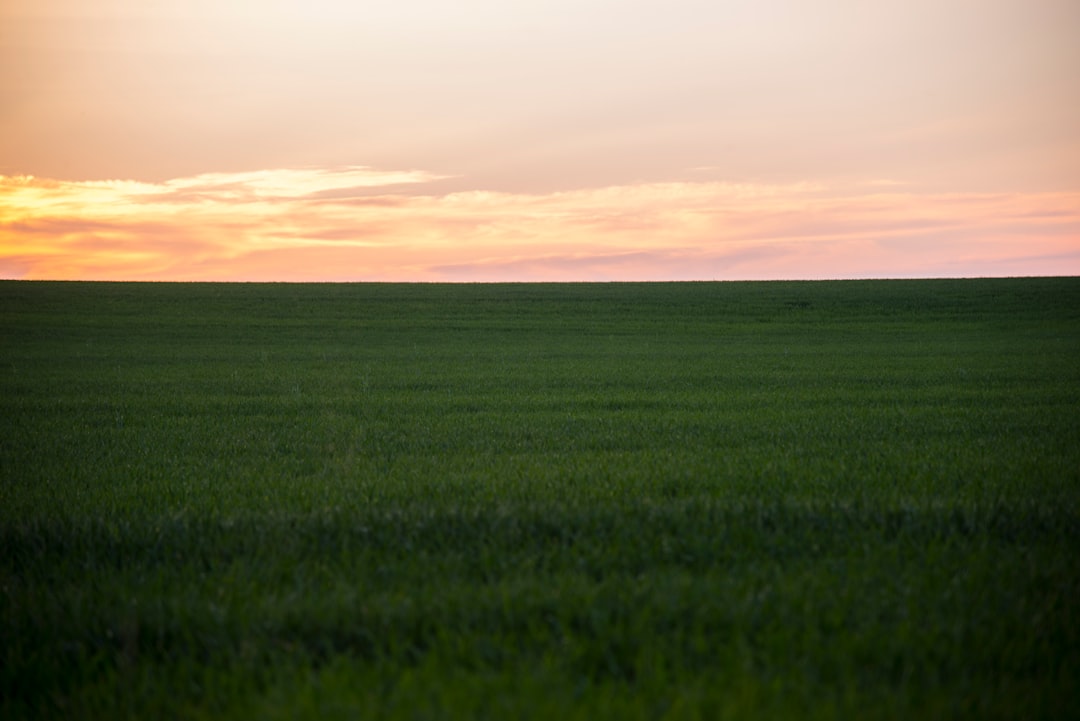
{"points": [[687, 500]]}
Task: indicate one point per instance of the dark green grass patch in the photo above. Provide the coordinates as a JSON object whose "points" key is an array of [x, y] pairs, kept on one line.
{"points": [[688, 500]]}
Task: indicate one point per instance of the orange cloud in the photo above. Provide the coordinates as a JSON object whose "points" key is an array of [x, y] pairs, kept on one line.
{"points": [[344, 224]]}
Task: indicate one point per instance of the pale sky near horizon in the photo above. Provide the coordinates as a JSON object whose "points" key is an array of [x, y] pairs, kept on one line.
{"points": [[538, 140]]}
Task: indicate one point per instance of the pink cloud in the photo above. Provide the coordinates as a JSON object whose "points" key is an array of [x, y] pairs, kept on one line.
{"points": [[358, 224]]}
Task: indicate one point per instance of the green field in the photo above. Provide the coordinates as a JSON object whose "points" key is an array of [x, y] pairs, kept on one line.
{"points": [[854, 499]]}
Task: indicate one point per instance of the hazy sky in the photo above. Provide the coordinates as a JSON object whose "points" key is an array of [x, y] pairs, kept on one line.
{"points": [[536, 140]]}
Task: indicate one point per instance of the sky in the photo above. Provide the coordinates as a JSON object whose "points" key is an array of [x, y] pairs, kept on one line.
{"points": [[538, 140]]}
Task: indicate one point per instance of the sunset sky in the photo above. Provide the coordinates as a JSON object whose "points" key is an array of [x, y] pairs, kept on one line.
{"points": [[475, 140]]}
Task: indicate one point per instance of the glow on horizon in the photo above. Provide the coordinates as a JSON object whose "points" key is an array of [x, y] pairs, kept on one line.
{"points": [[422, 140], [362, 224]]}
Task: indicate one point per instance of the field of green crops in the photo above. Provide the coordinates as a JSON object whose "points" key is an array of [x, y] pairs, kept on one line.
{"points": [[845, 500]]}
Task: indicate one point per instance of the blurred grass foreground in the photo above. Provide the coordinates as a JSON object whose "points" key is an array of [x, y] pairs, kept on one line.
{"points": [[851, 499]]}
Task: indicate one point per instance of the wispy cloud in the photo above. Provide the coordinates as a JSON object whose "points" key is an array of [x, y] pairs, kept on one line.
{"points": [[289, 183], [358, 223]]}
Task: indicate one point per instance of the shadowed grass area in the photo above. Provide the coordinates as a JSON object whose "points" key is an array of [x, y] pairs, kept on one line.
{"points": [[687, 500]]}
